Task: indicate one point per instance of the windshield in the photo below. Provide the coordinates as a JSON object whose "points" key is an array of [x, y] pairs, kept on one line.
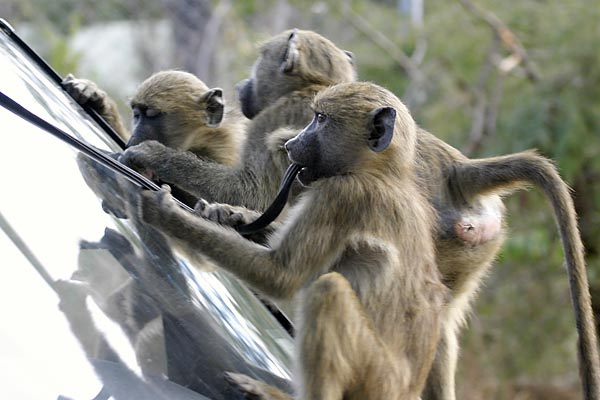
{"points": [[94, 305]]}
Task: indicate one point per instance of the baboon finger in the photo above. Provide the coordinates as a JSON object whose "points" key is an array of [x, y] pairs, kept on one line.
{"points": [[200, 207]]}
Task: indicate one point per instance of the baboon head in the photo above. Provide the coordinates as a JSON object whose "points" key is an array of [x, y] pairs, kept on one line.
{"points": [[172, 105], [353, 126], [291, 61]]}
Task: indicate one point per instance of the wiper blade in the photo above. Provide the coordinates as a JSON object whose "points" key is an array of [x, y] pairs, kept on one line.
{"points": [[85, 148]]}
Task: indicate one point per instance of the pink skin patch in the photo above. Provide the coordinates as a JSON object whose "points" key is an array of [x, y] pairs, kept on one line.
{"points": [[478, 229]]}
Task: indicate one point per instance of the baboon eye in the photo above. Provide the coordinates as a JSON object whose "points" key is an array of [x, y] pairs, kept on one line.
{"points": [[136, 113], [151, 113], [321, 118]]}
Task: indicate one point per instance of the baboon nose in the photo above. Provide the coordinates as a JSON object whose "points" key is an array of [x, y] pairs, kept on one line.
{"points": [[288, 145]]}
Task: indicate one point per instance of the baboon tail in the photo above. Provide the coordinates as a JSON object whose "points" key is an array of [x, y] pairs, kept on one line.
{"points": [[506, 173]]}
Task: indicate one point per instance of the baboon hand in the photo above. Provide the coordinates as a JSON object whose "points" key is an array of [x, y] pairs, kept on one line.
{"points": [[224, 214], [154, 206], [86, 92], [147, 157]]}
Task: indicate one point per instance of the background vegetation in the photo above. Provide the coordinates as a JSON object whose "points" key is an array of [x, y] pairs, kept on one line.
{"points": [[489, 77]]}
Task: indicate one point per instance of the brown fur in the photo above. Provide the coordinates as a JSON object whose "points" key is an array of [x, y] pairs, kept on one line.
{"points": [[357, 247]]}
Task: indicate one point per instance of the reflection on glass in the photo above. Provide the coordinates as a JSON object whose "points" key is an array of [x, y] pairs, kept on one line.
{"points": [[121, 315]]}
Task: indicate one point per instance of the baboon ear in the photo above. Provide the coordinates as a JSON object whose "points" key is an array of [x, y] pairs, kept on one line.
{"points": [[350, 56], [292, 54], [214, 106], [381, 128]]}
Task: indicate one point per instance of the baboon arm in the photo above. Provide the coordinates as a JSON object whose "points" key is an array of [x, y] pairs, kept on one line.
{"points": [[278, 272], [205, 179], [475, 177]]}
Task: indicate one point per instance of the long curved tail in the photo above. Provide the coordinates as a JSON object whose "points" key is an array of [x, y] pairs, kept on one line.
{"points": [[505, 173]]}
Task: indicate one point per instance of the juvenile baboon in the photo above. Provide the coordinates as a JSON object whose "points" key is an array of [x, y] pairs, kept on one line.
{"points": [[466, 194], [174, 108], [292, 67], [357, 248]]}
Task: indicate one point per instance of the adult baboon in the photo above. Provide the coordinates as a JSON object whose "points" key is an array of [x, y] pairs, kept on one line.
{"points": [[292, 67], [358, 248]]}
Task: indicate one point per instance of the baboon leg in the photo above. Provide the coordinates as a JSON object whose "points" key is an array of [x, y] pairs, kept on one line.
{"points": [[440, 381], [340, 348]]}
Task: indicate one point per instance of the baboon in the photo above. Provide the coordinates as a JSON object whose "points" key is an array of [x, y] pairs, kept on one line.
{"points": [[470, 232], [292, 67], [467, 197], [357, 248], [174, 108], [465, 193]]}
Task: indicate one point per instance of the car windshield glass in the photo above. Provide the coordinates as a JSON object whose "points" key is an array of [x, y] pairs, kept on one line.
{"points": [[97, 305]]}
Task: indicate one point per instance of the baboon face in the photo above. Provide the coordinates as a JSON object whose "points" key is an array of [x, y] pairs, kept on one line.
{"points": [[148, 124], [334, 145], [267, 81], [247, 98], [170, 105], [290, 61]]}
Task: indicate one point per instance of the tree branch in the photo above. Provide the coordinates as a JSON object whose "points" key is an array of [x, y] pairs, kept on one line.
{"points": [[518, 55]]}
